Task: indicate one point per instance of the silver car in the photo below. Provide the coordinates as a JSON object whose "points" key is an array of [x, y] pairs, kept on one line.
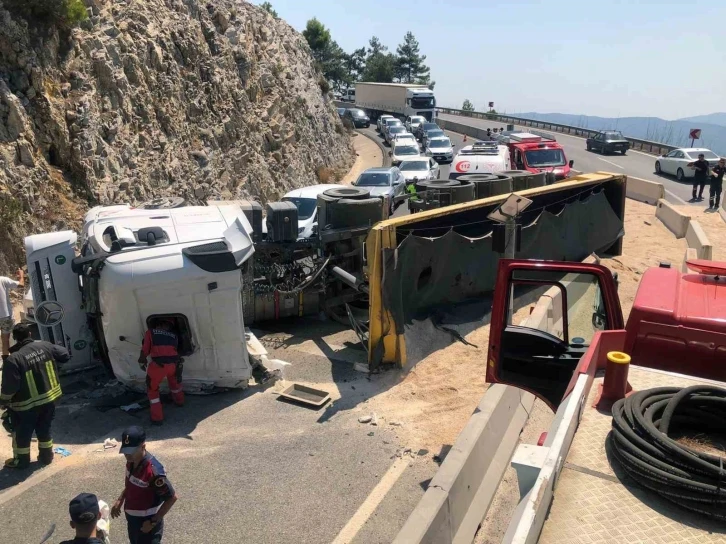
{"points": [[441, 149], [419, 169], [382, 121], [413, 122], [388, 123], [383, 182]]}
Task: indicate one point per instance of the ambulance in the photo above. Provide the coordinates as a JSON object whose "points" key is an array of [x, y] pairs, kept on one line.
{"points": [[482, 157]]}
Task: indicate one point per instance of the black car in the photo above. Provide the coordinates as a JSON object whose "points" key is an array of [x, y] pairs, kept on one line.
{"points": [[424, 127], [341, 112], [358, 118], [608, 141]]}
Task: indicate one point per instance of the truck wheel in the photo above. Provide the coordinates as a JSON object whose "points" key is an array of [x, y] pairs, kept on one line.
{"points": [[624, 151], [354, 193], [680, 175]]}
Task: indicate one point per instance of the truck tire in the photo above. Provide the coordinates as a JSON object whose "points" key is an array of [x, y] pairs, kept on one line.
{"points": [[624, 151], [348, 213], [523, 179], [352, 193]]}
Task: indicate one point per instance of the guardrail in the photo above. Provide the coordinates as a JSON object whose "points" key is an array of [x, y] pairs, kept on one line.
{"points": [[656, 148]]}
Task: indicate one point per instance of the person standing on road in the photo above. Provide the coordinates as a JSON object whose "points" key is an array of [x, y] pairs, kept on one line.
{"points": [[148, 494], [714, 190], [29, 389], [700, 175], [6, 309], [85, 513], [162, 344]]}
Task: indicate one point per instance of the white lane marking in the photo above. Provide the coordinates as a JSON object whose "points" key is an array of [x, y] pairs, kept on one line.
{"points": [[355, 523], [676, 197], [609, 162]]}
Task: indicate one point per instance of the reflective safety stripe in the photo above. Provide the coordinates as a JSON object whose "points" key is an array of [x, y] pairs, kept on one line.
{"points": [[138, 482], [143, 513], [51, 374], [38, 400], [154, 401], [5, 397], [176, 390], [31, 384], [20, 451], [45, 445]]}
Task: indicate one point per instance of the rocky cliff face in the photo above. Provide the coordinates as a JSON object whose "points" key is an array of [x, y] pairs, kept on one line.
{"points": [[154, 98]]}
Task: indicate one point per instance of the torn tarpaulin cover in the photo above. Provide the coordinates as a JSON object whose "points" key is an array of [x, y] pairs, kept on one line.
{"points": [[423, 274]]}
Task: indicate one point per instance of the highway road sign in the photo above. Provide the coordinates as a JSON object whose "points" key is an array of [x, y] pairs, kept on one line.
{"points": [[695, 134]]}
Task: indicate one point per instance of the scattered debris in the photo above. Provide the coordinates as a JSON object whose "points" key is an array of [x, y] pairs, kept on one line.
{"points": [[109, 443], [307, 395], [648, 223], [365, 419], [396, 423], [423, 452], [374, 420], [135, 407], [371, 433], [61, 451]]}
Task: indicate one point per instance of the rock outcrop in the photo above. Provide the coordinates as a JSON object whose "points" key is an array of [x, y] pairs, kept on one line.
{"points": [[152, 98]]}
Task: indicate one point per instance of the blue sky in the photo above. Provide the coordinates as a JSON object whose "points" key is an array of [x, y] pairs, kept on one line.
{"points": [[614, 59]]}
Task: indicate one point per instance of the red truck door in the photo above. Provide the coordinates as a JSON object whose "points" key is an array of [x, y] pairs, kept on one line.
{"points": [[544, 315]]}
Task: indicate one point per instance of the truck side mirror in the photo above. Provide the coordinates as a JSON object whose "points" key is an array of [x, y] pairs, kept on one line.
{"points": [[572, 163]]}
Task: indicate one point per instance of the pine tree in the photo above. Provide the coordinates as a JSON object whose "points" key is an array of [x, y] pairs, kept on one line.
{"points": [[380, 65], [411, 62], [268, 8]]}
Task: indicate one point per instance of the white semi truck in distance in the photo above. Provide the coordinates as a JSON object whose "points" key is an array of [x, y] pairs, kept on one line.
{"points": [[399, 99]]}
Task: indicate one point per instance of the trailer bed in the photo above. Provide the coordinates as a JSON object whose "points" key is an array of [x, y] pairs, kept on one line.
{"points": [[595, 501]]}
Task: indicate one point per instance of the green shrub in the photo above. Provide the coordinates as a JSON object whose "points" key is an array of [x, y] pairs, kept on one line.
{"points": [[61, 13], [324, 85]]}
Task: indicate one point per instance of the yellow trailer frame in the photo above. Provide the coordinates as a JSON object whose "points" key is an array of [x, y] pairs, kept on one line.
{"points": [[382, 236]]}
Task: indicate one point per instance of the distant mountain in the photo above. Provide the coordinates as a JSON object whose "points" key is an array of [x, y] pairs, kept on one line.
{"points": [[713, 136], [718, 118]]}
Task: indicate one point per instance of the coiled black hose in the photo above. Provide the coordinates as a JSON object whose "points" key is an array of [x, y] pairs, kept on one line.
{"points": [[639, 441]]}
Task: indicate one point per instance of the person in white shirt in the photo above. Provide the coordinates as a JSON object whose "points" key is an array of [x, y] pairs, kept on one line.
{"points": [[6, 309]]}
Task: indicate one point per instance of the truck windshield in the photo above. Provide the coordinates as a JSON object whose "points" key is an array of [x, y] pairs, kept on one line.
{"points": [[426, 102], [305, 206], [541, 158]]}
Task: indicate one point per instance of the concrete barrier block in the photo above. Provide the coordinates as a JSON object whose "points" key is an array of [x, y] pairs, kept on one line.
{"points": [[644, 191], [697, 239], [691, 254], [675, 221]]}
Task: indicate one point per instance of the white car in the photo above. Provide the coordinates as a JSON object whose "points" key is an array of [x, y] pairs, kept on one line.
{"points": [[676, 162], [482, 157], [306, 200], [413, 122], [440, 149], [402, 151], [405, 137], [419, 169], [380, 123]]}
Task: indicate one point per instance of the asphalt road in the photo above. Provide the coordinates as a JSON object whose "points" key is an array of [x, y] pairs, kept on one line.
{"points": [[635, 163], [247, 466]]}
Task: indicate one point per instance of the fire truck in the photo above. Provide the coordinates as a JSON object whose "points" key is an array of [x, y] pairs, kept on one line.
{"points": [[536, 152]]}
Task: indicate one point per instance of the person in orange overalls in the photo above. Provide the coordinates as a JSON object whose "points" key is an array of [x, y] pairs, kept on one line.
{"points": [[161, 343]]}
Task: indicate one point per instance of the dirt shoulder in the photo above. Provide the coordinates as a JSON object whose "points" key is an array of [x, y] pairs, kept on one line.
{"points": [[368, 155]]}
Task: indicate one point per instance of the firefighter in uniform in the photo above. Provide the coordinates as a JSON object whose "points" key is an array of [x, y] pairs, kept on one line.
{"points": [[161, 343], [148, 494], [29, 390]]}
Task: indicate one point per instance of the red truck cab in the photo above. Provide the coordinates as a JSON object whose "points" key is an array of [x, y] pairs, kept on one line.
{"points": [[538, 153], [547, 315]]}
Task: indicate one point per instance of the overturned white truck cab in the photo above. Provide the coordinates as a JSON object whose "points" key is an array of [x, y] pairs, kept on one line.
{"points": [[134, 265]]}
